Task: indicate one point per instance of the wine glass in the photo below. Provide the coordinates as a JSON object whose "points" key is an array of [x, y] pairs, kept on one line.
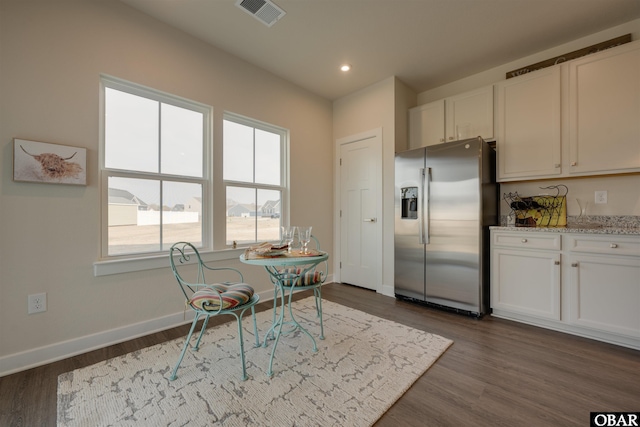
{"points": [[304, 234], [288, 234]]}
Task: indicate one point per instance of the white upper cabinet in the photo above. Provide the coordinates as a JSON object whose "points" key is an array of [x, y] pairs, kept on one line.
{"points": [[426, 124], [458, 117], [579, 118], [604, 112], [528, 140], [470, 114]]}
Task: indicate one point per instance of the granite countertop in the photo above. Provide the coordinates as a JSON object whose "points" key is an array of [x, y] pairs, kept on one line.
{"points": [[572, 229], [620, 225]]}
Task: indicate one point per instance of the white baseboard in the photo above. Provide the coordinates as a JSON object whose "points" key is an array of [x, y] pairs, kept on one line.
{"points": [[388, 290], [32, 358], [58, 351]]}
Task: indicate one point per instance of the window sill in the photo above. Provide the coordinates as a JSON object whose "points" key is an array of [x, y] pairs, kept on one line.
{"points": [[109, 267]]}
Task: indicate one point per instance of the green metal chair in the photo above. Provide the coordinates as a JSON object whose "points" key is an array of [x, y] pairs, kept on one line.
{"points": [[208, 299]]}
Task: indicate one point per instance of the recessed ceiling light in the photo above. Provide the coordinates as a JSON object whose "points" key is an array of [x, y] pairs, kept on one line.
{"points": [[345, 67]]}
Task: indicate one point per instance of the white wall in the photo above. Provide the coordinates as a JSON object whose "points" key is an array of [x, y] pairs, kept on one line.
{"points": [[405, 98], [497, 74], [52, 53], [364, 111], [624, 197], [377, 107], [369, 109], [623, 194]]}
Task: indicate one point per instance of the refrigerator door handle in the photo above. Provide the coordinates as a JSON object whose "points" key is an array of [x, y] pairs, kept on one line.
{"points": [[421, 208], [423, 223], [426, 217]]}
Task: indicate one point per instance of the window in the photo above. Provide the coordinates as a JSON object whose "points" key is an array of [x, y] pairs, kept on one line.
{"points": [[155, 170], [255, 179]]}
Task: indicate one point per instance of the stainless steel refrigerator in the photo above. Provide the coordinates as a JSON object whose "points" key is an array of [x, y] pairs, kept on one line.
{"points": [[446, 198]]}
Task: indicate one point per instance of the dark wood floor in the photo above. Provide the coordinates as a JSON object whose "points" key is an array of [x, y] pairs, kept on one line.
{"points": [[497, 373]]}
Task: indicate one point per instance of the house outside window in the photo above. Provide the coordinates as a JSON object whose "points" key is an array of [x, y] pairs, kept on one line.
{"points": [[255, 179], [155, 170]]}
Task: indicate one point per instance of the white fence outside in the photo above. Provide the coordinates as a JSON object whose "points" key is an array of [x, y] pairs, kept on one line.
{"points": [[168, 217]]}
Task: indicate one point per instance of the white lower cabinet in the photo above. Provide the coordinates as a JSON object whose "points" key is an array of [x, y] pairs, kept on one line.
{"points": [[604, 294], [526, 279], [584, 284]]}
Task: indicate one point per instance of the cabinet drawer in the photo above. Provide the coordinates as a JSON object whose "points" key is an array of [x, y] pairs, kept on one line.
{"points": [[610, 245], [531, 240]]}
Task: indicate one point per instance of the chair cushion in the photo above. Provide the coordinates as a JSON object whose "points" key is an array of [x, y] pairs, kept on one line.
{"points": [[310, 277], [232, 295]]}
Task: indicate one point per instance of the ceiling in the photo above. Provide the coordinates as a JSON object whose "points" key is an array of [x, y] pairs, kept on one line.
{"points": [[425, 43]]}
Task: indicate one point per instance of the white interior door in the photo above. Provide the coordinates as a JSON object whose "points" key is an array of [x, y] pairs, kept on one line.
{"points": [[360, 211]]}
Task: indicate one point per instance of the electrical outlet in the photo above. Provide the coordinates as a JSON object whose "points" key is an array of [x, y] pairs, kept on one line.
{"points": [[601, 197], [37, 303]]}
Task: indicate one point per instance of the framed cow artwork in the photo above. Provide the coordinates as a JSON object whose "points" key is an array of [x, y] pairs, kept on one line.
{"points": [[49, 163]]}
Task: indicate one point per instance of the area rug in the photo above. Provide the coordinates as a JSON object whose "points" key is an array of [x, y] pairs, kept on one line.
{"points": [[362, 367]]}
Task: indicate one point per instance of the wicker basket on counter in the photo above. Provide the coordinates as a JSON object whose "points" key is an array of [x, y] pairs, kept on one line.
{"points": [[539, 211]]}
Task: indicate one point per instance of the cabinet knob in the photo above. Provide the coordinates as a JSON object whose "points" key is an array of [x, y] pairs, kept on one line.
{"points": [[557, 165], [524, 240], [556, 262], [574, 264], [441, 139], [450, 138], [613, 245], [573, 163]]}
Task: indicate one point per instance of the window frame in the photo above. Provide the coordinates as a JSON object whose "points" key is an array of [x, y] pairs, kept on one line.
{"points": [[206, 180], [284, 186]]}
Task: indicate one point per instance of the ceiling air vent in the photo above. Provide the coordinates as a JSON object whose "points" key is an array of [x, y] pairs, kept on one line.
{"points": [[263, 10]]}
